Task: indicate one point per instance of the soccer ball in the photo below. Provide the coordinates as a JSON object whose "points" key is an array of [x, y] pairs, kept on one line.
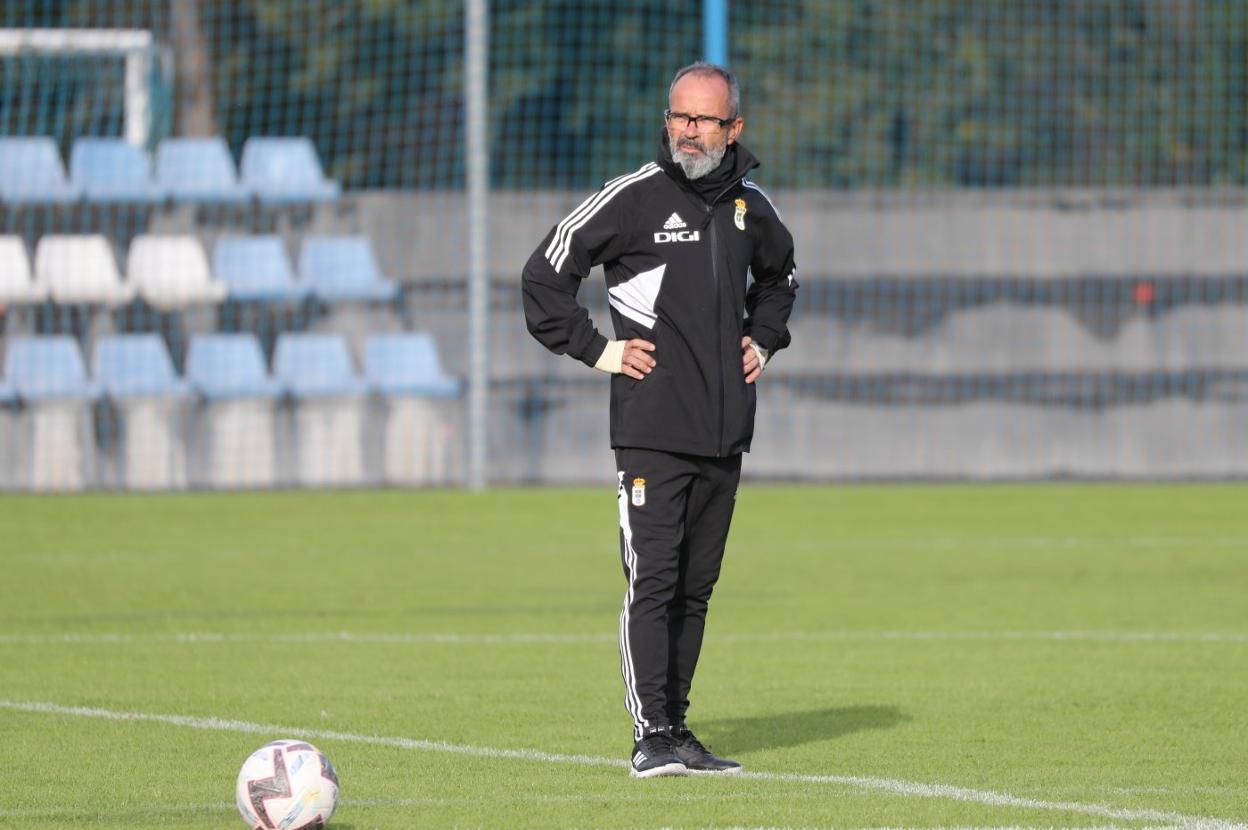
{"points": [[287, 785]]}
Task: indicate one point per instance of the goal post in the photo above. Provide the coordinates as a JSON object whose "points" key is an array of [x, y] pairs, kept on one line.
{"points": [[135, 46]]}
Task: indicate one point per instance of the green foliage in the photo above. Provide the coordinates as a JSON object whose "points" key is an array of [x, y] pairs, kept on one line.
{"points": [[837, 93], [978, 92]]}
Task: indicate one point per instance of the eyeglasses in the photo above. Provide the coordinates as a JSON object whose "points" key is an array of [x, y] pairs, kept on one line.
{"points": [[705, 123]]}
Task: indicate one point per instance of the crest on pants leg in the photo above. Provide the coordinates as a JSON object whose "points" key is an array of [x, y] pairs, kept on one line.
{"points": [[639, 492]]}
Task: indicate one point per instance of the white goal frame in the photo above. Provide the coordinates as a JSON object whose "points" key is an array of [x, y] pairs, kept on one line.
{"points": [[136, 46]]}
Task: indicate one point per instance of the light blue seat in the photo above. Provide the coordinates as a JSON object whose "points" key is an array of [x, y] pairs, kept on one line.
{"points": [[57, 449], [342, 268], [48, 369], [286, 171], [316, 366], [235, 444], [31, 173], [199, 170], [256, 269], [229, 366], [113, 170], [406, 364], [136, 366], [150, 446], [8, 395], [330, 411]]}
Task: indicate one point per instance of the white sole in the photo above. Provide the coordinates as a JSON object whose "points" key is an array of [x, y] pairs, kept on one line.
{"points": [[730, 771], [665, 770]]}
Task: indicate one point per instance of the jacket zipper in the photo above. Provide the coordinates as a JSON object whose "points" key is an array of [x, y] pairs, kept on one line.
{"points": [[719, 334], [719, 317]]}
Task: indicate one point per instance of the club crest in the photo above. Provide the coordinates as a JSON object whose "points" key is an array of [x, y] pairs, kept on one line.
{"points": [[738, 217], [639, 492]]}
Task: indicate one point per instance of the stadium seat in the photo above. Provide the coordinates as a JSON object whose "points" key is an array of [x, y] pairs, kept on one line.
{"points": [[48, 369], [171, 272], [136, 366], [9, 419], [256, 269], [316, 365], [199, 170], [113, 170], [417, 430], [286, 171], [57, 446], [17, 287], [136, 373], [226, 366], [406, 364], [31, 173], [235, 445], [330, 407], [80, 270], [342, 268]]}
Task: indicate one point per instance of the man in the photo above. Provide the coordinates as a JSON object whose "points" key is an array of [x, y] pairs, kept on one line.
{"points": [[678, 239]]}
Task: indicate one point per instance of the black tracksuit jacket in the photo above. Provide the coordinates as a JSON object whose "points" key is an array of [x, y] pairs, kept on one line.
{"points": [[678, 257]]}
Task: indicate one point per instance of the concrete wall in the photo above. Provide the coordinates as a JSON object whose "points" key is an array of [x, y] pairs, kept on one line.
{"points": [[1184, 413], [995, 233]]}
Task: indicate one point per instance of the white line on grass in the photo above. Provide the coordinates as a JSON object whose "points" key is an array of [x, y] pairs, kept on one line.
{"points": [[648, 798], [169, 809], [1041, 542], [93, 812], [1107, 826], [314, 637], [887, 785], [1087, 636], [556, 639]]}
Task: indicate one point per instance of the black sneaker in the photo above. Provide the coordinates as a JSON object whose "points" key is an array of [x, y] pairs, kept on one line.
{"points": [[696, 757], [655, 755]]}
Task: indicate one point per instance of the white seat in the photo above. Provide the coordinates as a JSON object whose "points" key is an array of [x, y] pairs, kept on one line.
{"points": [[171, 272], [16, 284], [80, 270]]}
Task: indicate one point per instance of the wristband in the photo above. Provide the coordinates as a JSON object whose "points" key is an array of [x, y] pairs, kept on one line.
{"points": [[762, 355], [611, 360]]}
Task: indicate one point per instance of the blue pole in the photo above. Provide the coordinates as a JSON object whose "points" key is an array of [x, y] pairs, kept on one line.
{"points": [[715, 31]]}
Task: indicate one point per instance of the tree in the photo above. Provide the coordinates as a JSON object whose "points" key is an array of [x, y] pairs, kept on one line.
{"points": [[195, 115]]}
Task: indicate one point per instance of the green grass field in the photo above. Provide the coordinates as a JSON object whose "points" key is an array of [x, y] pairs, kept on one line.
{"points": [[913, 656]]}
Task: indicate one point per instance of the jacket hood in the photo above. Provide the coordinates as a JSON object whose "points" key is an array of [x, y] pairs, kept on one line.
{"points": [[736, 163]]}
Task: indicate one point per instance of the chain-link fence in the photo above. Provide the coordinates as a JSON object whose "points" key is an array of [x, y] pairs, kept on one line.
{"points": [[235, 235]]}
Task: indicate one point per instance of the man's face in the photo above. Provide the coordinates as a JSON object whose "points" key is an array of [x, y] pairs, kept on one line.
{"points": [[698, 149]]}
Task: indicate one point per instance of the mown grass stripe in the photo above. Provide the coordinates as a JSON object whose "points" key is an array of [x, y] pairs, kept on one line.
{"points": [[891, 786], [572, 639]]}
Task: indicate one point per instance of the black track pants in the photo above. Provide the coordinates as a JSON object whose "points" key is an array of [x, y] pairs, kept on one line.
{"points": [[674, 516]]}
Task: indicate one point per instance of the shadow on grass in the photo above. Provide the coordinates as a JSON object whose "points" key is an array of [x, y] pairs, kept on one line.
{"points": [[796, 728]]}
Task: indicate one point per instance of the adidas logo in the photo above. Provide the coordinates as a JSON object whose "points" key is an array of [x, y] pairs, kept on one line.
{"points": [[673, 222]]}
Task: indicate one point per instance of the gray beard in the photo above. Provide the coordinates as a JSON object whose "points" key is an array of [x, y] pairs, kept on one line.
{"points": [[696, 167]]}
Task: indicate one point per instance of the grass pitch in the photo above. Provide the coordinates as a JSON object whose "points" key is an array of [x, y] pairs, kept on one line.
{"points": [[1022, 656]]}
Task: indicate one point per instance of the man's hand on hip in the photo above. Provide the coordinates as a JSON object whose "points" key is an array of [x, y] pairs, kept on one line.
{"points": [[629, 357], [753, 359]]}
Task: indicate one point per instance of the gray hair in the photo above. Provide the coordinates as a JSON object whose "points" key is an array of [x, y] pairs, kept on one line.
{"points": [[707, 69]]}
